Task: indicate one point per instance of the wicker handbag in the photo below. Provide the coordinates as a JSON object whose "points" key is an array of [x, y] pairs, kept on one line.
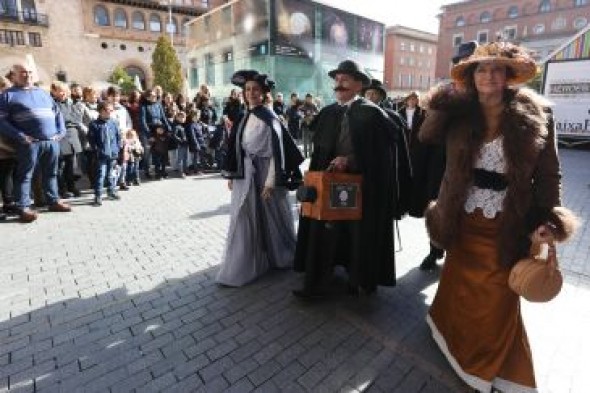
{"points": [[533, 279]]}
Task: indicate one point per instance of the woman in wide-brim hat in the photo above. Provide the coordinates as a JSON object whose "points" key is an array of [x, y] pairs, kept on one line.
{"points": [[501, 186], [261, 158]]}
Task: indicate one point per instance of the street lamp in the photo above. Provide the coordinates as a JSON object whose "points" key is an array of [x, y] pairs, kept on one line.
{"points": [[169, 25]]}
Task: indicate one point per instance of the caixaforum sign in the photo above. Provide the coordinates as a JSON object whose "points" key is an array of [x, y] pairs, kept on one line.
{"points": [[567, 85]]}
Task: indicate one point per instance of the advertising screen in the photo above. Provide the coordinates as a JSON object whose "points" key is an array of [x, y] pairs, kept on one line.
{"points": [[567, 85], [369, 35], [295, 26]]}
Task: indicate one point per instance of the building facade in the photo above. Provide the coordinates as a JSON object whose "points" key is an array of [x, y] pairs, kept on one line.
{"points": [[409, 59], [539, 25], [295, 41], [84, 40]]}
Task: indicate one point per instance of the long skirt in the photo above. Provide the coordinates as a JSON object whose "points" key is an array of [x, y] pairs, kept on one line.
{"points": [[261, 233], [475, 317]]}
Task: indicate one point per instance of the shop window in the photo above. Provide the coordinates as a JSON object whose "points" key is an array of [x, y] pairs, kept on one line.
{"points": [[101, 16], [138, 21], [120, 18]]}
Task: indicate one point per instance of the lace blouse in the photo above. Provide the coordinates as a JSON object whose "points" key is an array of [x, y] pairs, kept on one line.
{"points": [[491, 158]]}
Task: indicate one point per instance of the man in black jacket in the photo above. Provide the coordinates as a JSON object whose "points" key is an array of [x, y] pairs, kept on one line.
{"points": [[352, 135]]}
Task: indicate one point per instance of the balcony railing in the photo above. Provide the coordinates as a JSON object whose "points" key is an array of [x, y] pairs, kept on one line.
{"points": [[28, 17]]}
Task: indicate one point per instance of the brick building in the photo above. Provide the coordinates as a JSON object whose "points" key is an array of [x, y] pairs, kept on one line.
{"points": [[84, 40], [539, 25], [410, 57]]}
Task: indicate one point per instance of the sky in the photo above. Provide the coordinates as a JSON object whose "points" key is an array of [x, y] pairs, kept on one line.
{"points": [[417, 14]]}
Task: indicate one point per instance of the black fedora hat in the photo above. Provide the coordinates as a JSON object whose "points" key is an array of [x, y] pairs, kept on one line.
{"points": [[465, 50], [376, 84], [351, 68], [239, 78]]}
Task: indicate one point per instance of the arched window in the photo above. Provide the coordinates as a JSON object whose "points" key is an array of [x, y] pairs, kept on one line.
{"points": [[155, 22], [545, 6], [513, 12], [138, 21], [120, 18], [171, 27], [485, 17], [184, 26], [580, 22], [101, 16], [460, 21], [580, 3]]}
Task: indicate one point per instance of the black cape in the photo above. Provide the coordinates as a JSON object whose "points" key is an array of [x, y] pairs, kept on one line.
{"points": [[287, 156], [365, 247]]}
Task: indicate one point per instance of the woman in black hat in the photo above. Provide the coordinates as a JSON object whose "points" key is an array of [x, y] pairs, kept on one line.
{"points": [[262, 162]]}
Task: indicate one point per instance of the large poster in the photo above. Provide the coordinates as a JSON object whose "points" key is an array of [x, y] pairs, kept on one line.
{"points": [[295, 26], [250, 16], [567, 84], [369, 35], [337, 28]]}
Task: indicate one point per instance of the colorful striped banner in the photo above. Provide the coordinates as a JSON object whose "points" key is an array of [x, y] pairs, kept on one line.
{"points": [[577, 49]]}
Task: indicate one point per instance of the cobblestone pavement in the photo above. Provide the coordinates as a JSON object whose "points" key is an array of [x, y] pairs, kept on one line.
{"points": [[122, 298]]}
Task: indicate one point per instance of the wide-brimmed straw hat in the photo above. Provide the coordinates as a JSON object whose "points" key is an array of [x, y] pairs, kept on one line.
{"points": [[510, 55]]}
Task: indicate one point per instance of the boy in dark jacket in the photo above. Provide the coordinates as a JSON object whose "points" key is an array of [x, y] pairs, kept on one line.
{"points": [[160, 141], [194, 136], [179, 135], [105, 140]]}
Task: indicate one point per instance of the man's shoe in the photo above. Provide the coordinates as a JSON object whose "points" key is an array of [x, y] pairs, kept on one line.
{"points": [[429, 263], [136, 182], [28, 215], [76, 192], [2, 216], [60, 207], [113, 197], [97, 201], [123, 187]]}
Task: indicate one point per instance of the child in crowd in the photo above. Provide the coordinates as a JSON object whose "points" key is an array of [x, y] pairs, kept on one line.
{"points": [[160, 142], [135, 152], [194, 135], [105, 140], [179, 135]]}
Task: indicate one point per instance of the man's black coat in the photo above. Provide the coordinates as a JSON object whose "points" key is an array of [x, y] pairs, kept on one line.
{"points": [[365, 247]]}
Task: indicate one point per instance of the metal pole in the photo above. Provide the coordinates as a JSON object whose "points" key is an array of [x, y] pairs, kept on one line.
{"points": [[170, 22]]}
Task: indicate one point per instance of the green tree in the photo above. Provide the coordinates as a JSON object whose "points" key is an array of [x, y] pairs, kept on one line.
{"points": [[536, 82], [121, 78], [166, 66]]}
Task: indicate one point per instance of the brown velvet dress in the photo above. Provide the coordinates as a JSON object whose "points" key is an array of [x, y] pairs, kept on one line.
{"points": [[475, 317]]}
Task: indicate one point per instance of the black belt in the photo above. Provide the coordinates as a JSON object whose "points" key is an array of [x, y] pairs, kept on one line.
{"points": [[489, 180]]}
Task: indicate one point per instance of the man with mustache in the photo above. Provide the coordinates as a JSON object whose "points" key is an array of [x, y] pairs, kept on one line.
{"points": [[352, 135]]}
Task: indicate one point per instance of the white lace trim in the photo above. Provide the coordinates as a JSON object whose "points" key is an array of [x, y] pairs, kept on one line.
{"points": [[491, 158]]}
